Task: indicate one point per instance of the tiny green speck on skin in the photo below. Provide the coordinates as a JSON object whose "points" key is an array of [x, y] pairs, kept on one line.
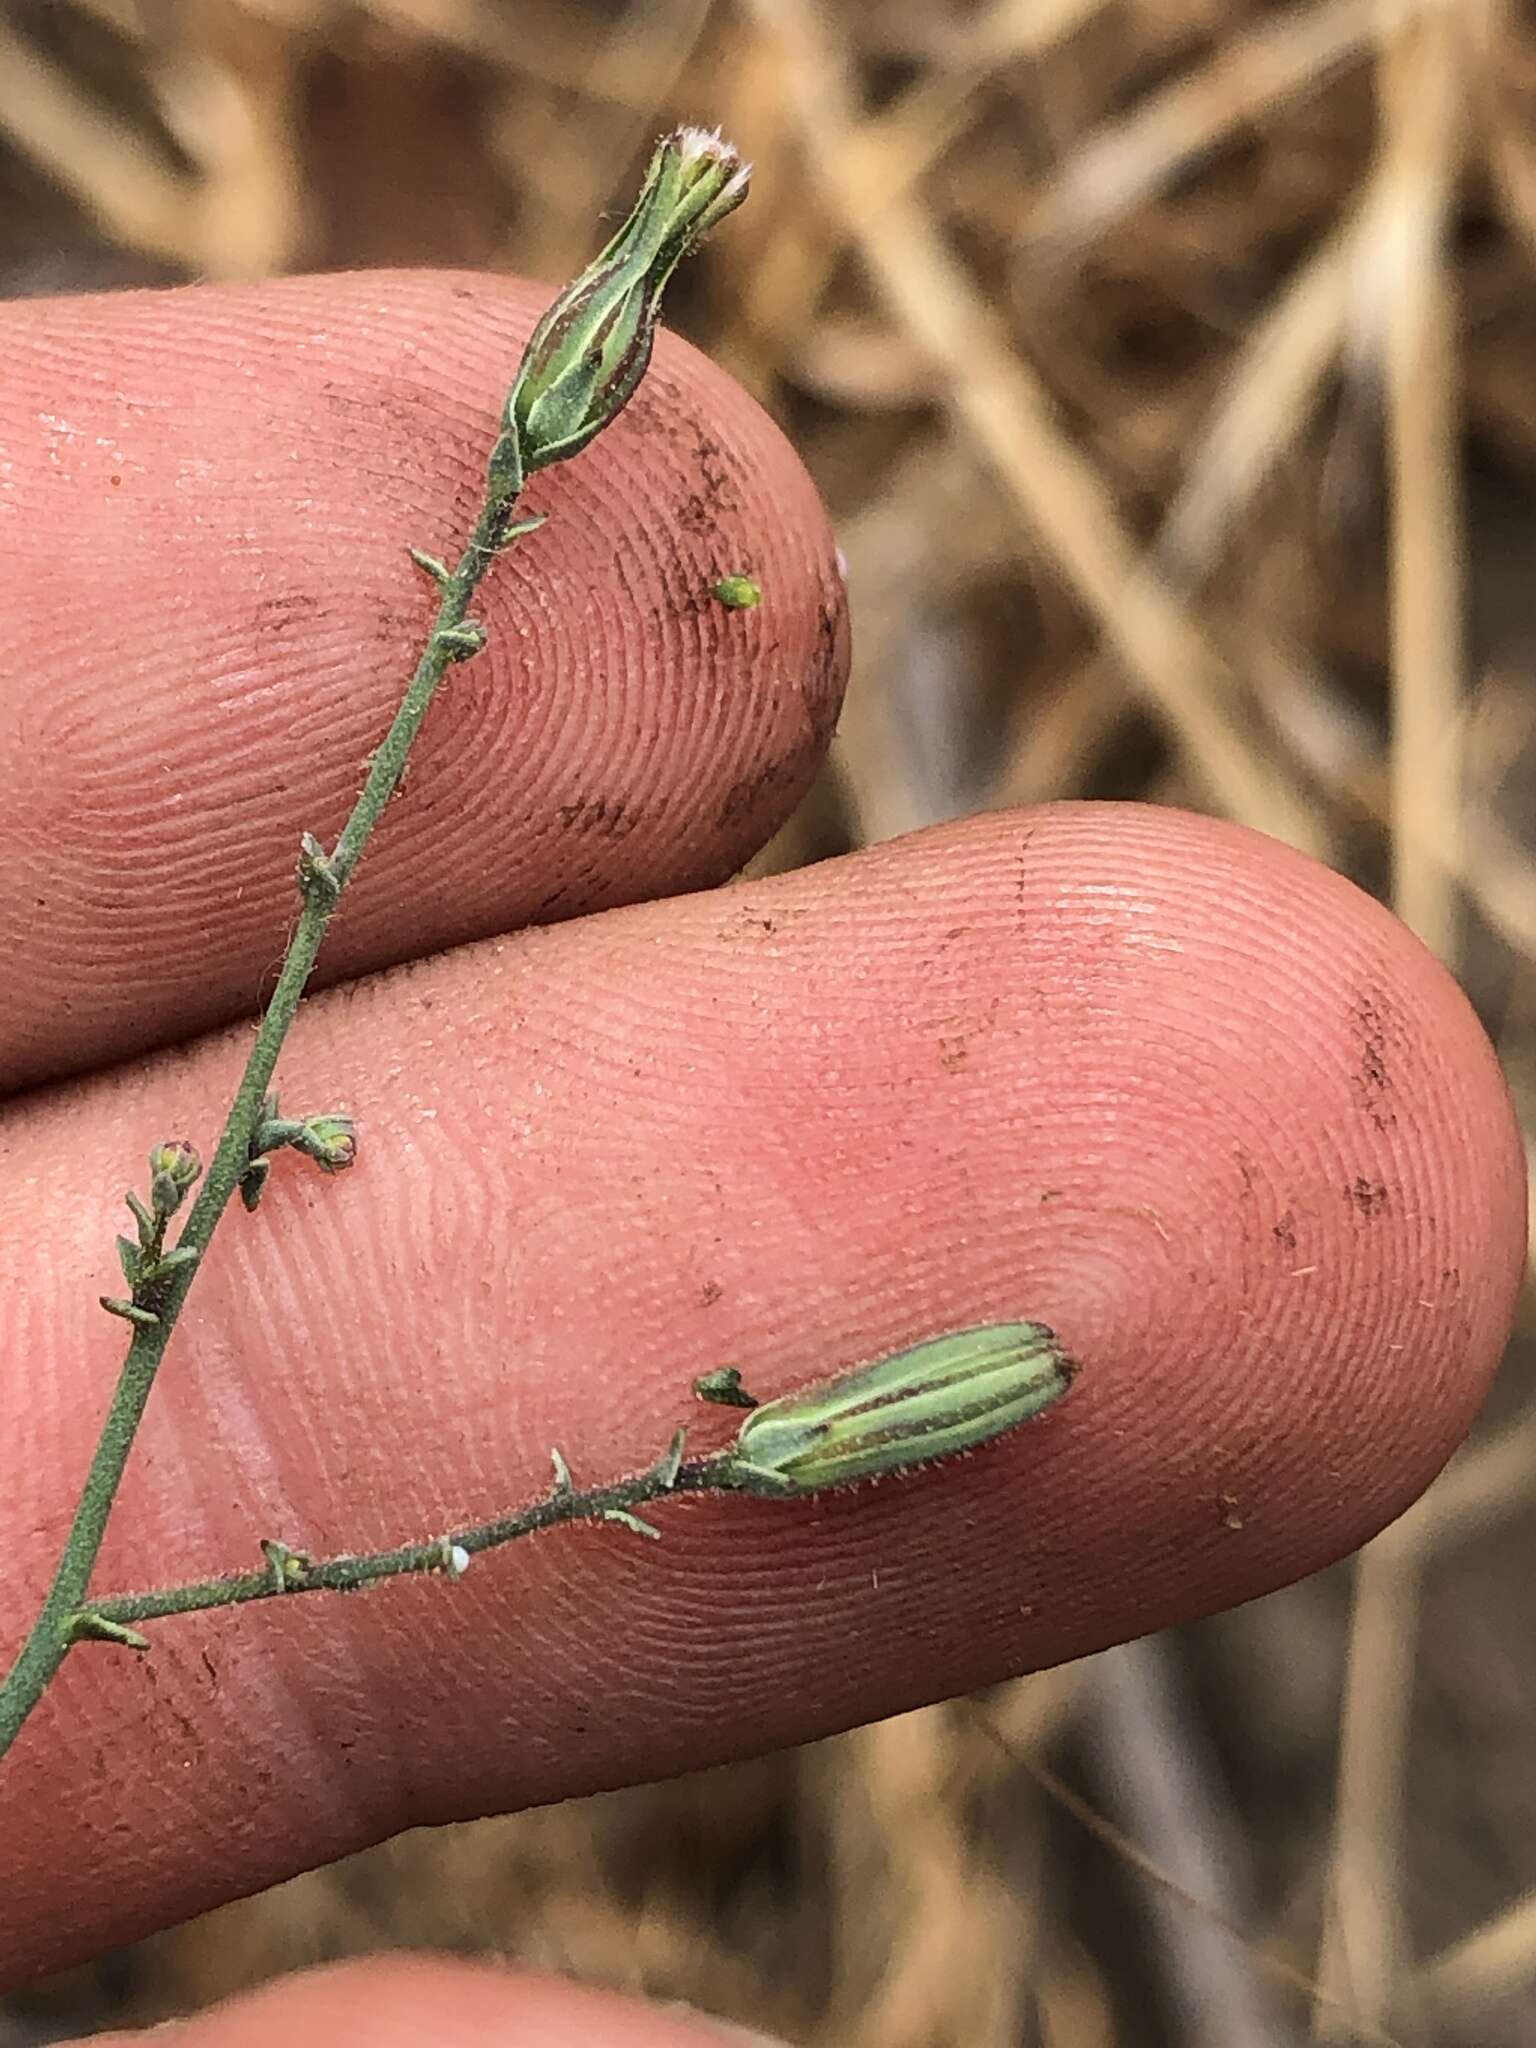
{"points": [[738, 593]]}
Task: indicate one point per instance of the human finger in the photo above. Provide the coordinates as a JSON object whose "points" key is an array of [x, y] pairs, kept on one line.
{"points": [[208, 618], [423, 2002], [1188, 1097]]}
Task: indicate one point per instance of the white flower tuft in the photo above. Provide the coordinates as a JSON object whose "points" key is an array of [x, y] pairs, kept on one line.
{"points": [[694, 142]]}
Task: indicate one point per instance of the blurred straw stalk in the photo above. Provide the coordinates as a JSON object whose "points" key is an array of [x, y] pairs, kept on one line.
{"points": [[1167, 366]]}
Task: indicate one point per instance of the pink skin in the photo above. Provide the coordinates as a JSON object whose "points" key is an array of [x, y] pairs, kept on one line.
{"points": [[211, 615], [1167, 1084], [411, 2001]]}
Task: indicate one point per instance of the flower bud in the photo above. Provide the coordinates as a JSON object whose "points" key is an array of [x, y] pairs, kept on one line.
{"points": [[173, 1167], [723, 1386], [947, 1395], [330, 1140], [590, 350]]}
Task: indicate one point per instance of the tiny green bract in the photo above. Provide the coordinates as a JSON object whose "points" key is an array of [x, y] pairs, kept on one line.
{"points": [[946, 1395]]}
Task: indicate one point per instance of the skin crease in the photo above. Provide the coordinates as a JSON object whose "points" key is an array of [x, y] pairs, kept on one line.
{"points": [[1165, 1083]]}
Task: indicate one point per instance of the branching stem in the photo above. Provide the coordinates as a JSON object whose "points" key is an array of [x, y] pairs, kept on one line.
{"points": [[287, 1571], [322, 878]]}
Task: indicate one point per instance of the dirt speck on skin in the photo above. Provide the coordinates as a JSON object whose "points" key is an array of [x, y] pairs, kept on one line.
{"points": [[600, 817], [693, 514], [1370, 1197], [286, 611], [702, 509], [710, 1293], [1284, 1232], [1021, 881], [715, 472], [1370, 1022], [827, 663]]}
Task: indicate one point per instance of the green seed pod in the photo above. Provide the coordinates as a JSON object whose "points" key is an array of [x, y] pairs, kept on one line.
{"points": [[947, 1395], [590, 350]]}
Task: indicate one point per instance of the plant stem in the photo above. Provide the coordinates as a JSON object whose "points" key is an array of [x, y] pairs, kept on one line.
{"points": [[322, 880], [581, 367], [288, 1572]]}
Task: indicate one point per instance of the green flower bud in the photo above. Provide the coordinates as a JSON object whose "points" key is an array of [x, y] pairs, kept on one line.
{"points": [[173, 1167], [947, 1395], [723, 1387], [330, 1140], [590, 350]]}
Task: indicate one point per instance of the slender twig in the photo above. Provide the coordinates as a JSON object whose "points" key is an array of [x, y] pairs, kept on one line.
{"points": [[582, 365], [321, 881], [291, 1571]]}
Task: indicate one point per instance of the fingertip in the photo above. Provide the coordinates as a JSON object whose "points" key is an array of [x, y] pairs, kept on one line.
{"points": [[228, 478], [1177, 1091], [1290, 1197], [420, 2001]]}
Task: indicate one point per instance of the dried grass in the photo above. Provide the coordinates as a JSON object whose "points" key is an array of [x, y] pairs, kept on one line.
{"points": [[1214, 316]]}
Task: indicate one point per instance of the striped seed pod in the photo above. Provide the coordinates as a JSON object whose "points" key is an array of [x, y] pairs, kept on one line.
{"points": [[947, 1395], [590, 350]]}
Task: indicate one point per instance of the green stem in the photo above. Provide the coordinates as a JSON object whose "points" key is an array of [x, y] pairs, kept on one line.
{"points": [[287, 1572], [582, 365], [322, 880]]}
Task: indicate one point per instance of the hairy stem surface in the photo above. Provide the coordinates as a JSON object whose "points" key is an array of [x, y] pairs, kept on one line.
{"points": [[287, 1572]]}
